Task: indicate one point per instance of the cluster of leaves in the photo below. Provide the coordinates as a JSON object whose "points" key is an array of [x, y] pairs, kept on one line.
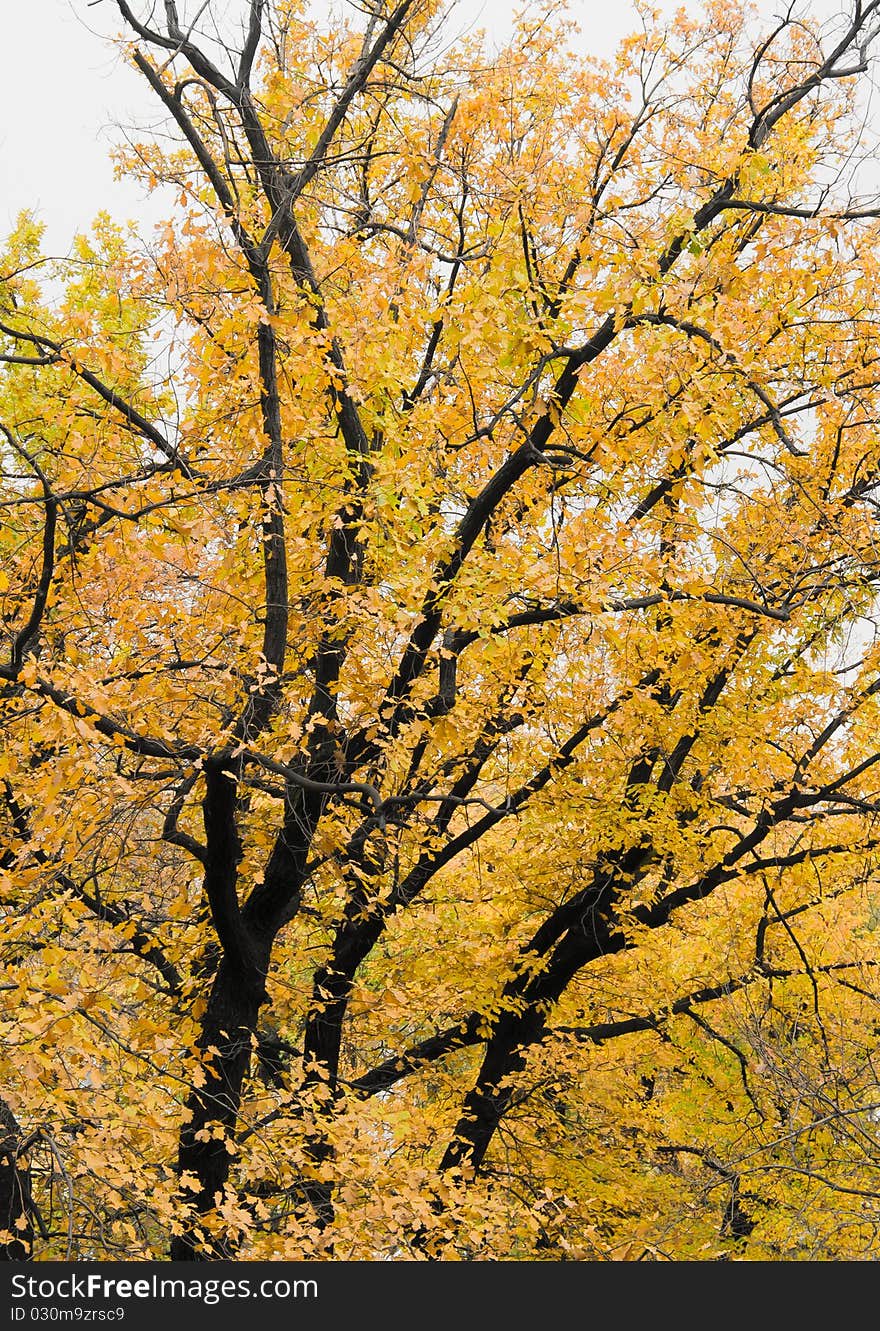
{"points": [[437, 795]]}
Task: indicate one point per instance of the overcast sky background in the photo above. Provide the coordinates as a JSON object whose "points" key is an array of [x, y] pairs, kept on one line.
{"points": [[64, 92]]}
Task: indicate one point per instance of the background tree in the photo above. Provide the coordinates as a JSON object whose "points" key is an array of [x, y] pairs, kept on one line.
{"points": [[440, 696]]}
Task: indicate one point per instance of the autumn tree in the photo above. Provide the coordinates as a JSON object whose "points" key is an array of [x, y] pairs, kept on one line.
{"points": [[438, 812]]}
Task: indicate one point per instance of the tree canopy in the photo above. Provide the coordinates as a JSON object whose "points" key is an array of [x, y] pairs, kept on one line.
{"points": [[440, 653]]}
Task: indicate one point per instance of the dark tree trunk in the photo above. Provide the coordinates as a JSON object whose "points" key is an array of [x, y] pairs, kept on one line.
{"points": [[229, 1026], [16, 1206]]}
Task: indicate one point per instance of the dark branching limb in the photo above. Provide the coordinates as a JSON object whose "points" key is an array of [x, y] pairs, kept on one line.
{"points": [[26, 635], [125, 409], [139, 940]]}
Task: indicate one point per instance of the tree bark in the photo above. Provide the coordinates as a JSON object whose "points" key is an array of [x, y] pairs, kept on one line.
{"points": [[16, 1206], [204, 1160]]}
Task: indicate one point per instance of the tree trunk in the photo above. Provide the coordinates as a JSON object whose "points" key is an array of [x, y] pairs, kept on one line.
{"points": [[16, 1207], [204, 1160]]}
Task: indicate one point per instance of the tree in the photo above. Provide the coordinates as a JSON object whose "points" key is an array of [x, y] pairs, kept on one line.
{"points": [[440, 695]]}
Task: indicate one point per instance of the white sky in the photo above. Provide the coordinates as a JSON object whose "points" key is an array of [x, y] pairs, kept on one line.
{"points": [[64, 90]]}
